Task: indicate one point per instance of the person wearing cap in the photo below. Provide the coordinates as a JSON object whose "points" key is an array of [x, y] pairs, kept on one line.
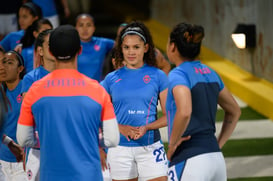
{"points": [[11, 154], [76, 107], [94, 49], [135, 89], [28, 13]]}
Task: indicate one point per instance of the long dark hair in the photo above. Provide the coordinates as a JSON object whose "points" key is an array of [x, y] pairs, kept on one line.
{"points": [[28, 39]]}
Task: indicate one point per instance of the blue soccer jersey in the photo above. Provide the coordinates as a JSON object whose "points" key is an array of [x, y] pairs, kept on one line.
{"points": [[2, 115], [91, 60], [205, 85], [10, 124], [33, 76], [135, 94], [27, 54], [67, 108], [12, 39], [48, 7]]}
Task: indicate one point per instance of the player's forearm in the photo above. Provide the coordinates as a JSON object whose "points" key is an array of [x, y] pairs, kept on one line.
{"points": [[180, 124], [110, 133], [229, 124], [25, 136], [159, 123]]}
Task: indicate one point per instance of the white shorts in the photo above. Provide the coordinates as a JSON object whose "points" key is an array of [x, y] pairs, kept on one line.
{"points": [[106, 175], [13, 171], [33, 165], [144, 162], [208, 166], [2, 176], [9, 23]]}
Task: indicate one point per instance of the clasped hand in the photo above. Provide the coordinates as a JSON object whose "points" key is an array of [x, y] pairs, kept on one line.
{"points": [[131, 132]]}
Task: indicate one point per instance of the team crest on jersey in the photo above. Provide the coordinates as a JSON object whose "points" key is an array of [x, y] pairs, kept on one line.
{"points": [[97, 47], [146, 79], [29, 174], [19, 98]]}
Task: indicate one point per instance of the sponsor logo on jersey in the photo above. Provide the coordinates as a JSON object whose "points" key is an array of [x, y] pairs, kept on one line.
{"points": [[146, 79], [19, 98], [97, 47]]}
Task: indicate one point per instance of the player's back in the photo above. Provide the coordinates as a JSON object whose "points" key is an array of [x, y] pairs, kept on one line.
{"points": [[67, 108]]}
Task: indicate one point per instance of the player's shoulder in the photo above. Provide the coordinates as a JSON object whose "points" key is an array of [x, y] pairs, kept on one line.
{"points": [[102, 39], [153, 69]]}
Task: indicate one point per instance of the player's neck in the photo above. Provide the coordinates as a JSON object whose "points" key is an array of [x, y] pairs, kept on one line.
{"points": [[11, 85], [66, 65]]}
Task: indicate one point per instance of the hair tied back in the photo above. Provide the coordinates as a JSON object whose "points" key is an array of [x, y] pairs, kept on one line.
{"points": [[187, 36]]}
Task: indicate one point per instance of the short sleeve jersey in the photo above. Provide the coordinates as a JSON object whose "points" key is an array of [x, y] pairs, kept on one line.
{"points": [[11, 119], [205, 85], [135, 94], [91, 60], [33, 76], [12, 39], [67, 108]]}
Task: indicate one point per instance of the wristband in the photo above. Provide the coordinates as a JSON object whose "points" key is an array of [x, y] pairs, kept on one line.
{"points": [[6, 140]]}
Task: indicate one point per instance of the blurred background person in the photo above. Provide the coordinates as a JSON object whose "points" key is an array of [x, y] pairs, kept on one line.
{"points": [[50, 10], [8, 17], [28, 13], [94, 49], [27, 41]]}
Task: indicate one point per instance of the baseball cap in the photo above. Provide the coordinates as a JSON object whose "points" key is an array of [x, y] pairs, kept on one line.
{"points": [[64, 42]]}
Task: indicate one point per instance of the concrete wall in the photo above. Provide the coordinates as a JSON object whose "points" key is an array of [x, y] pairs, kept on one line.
{"points": [[219, 18]]}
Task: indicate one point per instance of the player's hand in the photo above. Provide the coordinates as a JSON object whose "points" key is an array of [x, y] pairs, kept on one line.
{"points": [[18, 48], [128, 131], [17, 151], [140, 132], [103, 157], [172, 148]]}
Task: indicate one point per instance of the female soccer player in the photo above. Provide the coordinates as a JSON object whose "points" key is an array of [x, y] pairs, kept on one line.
{"points": [[46, 63], [28, 13], [193, 94], [135, 89], [94, 49], [11, 154]]}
